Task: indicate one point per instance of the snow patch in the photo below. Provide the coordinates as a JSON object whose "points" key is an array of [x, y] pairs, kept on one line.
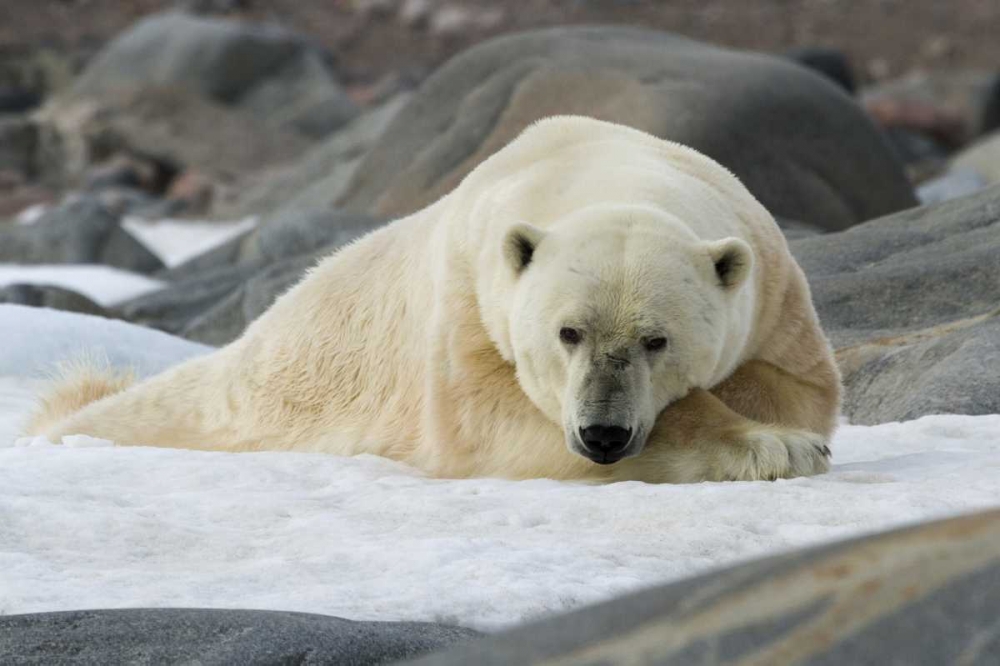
{"points": [[104, 285], [176, 241], [96, 526]]}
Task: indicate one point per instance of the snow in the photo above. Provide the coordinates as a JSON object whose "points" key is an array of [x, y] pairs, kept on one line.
{"points": [[176, 241], [88, 525], [34, 340], [104, 285]]}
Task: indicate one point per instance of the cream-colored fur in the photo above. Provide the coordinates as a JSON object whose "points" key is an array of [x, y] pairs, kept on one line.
{"points": [[436, 339]]}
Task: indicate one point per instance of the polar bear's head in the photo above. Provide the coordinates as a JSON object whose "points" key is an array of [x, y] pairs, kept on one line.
{"points": [[614, 315]]}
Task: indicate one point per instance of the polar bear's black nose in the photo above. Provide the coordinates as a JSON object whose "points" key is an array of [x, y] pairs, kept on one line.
{"points": [[609, 440]]}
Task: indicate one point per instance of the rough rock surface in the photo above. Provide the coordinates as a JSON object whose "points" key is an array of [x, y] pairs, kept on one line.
{"points": [[320, 176], [215, 297], [213, 637], [274, 74], [48, 296], [800, 144], [921, 596], [81, 231], [911, 302], [171, 125]]}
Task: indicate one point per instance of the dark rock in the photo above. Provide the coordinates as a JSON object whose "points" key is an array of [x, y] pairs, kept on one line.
{"points": [[831, 63], [911, 303], [81, 231], [18, 100], [225, 320], [188, 298], [801, 145], [18, 146], [920, 596], [989, 118], [278, 76], [46, 296], [213, 637]]}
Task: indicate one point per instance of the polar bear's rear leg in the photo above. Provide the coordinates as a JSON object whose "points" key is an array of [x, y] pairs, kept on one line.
{"points": [[188, 406], [78, 385], [761, 423]]}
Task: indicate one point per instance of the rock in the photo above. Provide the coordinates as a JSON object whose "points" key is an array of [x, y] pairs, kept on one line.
{"points": [[290, 233], [172, 127], [911, 303], [955, 103], [226, 319], [213, 636], [174, 308], [79, 231], [831, 63], [134, 171], [798, 142], [982, 157], [46, 296], [919, 596], [215, 297], [192, 192], [18, 100], [18, 146], [320, 176], [280, 77]]}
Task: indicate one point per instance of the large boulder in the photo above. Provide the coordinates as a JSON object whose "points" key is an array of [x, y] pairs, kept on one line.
{"points": [[800, 144], [920, 596], [911, 302], [203, 636], [274, 74], [81, 231]]}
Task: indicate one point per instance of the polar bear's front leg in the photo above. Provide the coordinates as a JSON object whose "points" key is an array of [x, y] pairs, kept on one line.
{"points": [[699, 438]]}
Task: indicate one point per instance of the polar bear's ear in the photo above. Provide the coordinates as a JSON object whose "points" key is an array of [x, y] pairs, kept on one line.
{"points": [[519, 245], [733, 260]]}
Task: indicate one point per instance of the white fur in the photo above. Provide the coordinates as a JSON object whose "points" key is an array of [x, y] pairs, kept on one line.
{"points": [[425, 341]]}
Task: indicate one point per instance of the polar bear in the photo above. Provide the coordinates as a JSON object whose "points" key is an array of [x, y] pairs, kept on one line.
{"points": [[590, 303]]}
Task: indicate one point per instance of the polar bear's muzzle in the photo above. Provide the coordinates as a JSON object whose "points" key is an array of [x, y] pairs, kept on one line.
{"points": [[605, 444]]}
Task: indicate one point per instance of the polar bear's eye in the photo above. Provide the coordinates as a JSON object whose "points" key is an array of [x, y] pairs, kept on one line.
{"points": [[654, 344], [570, 336]]}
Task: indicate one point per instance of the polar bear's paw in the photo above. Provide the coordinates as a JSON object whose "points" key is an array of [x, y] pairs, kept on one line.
{"points": [[768, 453]]}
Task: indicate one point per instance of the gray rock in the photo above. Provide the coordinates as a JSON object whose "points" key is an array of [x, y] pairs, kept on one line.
{"points": [[831, 63], [18, 146], [226, 319], [970, 95], [925, 595], [214, 297], [171, 126], [80, 231], [910, 302], [292, 232], [800, 144], [320, 176], [213, 637], [47, 296], [274, 74]]}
